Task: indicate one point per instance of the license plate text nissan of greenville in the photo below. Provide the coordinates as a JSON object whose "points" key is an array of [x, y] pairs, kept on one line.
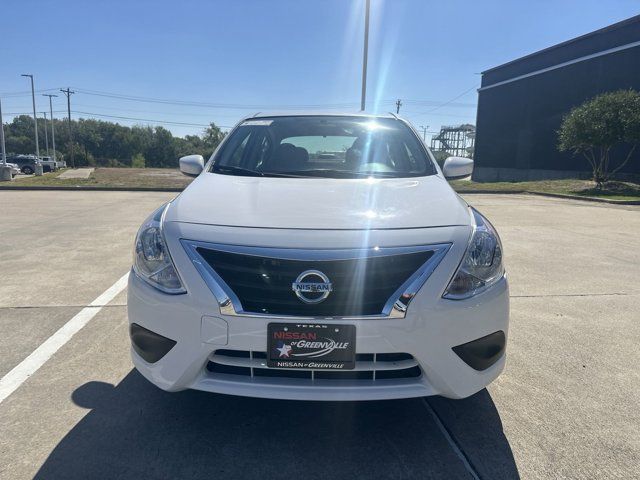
{"points": [[319, 257]]}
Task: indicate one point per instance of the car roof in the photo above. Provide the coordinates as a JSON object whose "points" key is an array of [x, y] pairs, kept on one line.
{"points": [[324, 113]]}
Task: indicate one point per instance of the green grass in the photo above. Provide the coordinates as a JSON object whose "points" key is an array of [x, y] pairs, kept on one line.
{"points": [[582, 188], [172, 178], [111, 177]]}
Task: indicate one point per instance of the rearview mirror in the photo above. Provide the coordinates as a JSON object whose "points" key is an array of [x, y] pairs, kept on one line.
{"points": [[457, 167], [192, 165]]}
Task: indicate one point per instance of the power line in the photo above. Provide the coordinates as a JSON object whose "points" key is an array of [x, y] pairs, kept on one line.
{"points": [[423, 102], [434, 103], [248, 106], [413, 113], [204, 104], [28, 113], [153, 112], [101, 115], [168, 122], [449, 101], [239, 106], [26, 93]]}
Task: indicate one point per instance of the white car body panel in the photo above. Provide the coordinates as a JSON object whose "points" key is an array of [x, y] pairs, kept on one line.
{"points": [[320, 203], [319, 213]]}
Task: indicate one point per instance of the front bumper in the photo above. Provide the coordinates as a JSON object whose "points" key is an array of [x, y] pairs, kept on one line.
{"points": [[428, 335], [433, 326]]}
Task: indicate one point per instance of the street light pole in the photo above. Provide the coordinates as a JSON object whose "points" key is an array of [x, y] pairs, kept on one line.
{"points": [[53, 127], [365, 54], [35, 118]]}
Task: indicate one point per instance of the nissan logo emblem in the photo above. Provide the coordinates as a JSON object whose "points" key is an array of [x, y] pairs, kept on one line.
{"points": [[312, 286]]}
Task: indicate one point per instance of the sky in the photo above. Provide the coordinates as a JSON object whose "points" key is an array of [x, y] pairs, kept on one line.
{"points": [[183, 64]]}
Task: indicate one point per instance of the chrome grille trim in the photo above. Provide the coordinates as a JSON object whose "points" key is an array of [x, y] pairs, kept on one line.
{"points": [[360, 364], [395, 307]]}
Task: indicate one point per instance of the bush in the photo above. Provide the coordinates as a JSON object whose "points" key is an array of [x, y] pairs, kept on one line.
{"points": [[441, 156], [137, 161], [595, 127]]}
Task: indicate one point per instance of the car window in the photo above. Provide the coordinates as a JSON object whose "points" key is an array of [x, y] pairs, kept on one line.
{"points": [[344, 147]]}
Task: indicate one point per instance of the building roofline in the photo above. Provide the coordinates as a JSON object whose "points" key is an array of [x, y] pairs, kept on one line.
{"points": [[614, 26]]}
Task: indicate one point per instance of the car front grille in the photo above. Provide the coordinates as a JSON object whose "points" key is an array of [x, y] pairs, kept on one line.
{"points": [[363, 282], [369, 366]]}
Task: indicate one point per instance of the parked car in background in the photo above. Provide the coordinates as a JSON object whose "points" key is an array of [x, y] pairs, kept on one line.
{"points": [[26, 163], [48, 164], [60, 163], [14, 169]]}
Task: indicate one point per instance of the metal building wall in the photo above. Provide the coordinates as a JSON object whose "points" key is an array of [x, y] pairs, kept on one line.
{"points": [[518, 121]]}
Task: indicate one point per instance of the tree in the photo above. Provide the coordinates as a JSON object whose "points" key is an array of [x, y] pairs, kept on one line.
{"points": [[212, 137], [161, 152], [107, 144], [600, 124], [137, 161]]}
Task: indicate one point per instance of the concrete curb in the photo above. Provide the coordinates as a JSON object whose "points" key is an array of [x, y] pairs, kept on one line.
{"points": [[553, 195], [86, 188], [588, 199]]}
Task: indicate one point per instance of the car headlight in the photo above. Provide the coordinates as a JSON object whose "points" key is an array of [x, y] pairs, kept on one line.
{"points": [[481, 266], [151, 259]]}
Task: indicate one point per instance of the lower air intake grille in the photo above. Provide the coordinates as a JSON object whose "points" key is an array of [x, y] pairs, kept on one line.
{"points": [[369, 366]]}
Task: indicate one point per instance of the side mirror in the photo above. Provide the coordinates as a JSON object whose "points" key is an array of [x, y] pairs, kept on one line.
{"points": [[457, 167], [192, 165]]}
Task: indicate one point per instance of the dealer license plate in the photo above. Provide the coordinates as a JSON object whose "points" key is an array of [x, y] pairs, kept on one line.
{"points": [[310, 345]]}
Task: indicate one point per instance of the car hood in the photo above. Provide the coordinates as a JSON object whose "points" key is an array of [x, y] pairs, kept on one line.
{"points": [[319, 203]]}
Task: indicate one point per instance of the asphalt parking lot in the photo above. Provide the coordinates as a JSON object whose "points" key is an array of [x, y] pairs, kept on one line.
{"points": [[565, 407]]}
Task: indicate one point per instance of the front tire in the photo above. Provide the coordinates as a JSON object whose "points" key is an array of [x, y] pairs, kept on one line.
{"points": [[27, 170]]}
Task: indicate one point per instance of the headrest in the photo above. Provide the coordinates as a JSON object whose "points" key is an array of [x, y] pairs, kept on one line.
{"points": [[287, 157]]}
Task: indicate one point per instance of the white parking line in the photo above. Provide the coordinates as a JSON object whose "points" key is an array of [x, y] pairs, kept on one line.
{"points": [[21, 372]]}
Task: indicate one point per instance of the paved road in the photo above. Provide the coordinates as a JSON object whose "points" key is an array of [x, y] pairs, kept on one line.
{"points": [[566, 406]]}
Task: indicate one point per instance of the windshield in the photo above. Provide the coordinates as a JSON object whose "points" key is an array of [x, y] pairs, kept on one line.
{"points": [[323, 146]]}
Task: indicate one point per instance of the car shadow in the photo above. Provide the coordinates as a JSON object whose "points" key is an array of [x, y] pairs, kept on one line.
{"points": [[475, 426], [135, 430]]}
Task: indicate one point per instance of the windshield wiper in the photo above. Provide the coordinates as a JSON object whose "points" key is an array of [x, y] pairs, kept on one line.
{"points": [[245, 172], [330, 173], [228, 169]]}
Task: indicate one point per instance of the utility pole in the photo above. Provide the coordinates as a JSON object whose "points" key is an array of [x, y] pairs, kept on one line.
{"points": [[46, 134], [53, 128], [68, 93], [4, 152], [424, 132], [398, 105], [5, 170], [365, 53], [35, 119]]}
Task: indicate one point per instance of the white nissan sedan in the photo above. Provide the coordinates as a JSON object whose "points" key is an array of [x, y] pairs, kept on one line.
{"points": [[319, 257]]}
